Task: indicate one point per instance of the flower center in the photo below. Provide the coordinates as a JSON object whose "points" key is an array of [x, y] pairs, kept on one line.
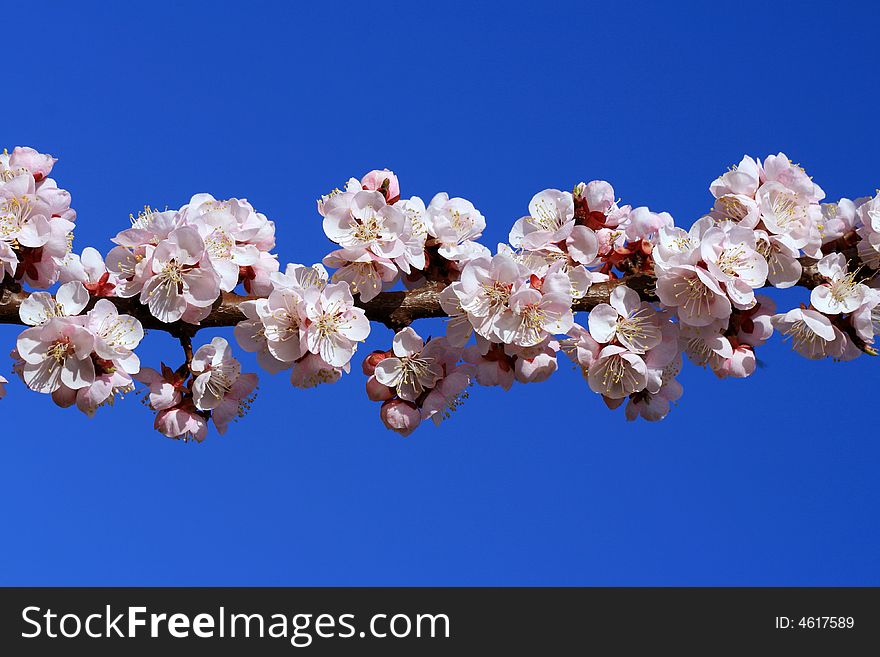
{"points": [[60, 351]]}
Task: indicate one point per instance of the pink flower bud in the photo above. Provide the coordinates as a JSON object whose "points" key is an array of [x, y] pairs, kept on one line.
{"points": [[373, 359], [400, 416], [377, 391], [382, 181]]}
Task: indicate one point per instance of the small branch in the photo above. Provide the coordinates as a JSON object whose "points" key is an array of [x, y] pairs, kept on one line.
{"points": [[186, 343]]}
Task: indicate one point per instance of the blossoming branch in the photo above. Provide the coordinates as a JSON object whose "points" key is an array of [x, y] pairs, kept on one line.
{"points": [[653, 292]]}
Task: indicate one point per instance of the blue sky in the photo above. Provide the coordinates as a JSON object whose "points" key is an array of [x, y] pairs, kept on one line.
{"points": [[768, 481]]}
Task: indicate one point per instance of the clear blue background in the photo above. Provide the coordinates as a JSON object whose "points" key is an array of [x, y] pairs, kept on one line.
{"points": [[773, 480]]}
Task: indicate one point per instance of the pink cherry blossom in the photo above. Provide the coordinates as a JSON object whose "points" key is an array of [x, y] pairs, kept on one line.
{"points": [[447, 395], [335, 325], [617, 373], [55, 353], [842, 293], [311, 370], [694, 294], [812, 334], [40, 307], [631, 321], [182, 281], [534, 314], [182, 422], [454, 223], [164, 388], [215, 370], [414, 367], [236, 402], [550, 220], [366, 273], [742, 179]]}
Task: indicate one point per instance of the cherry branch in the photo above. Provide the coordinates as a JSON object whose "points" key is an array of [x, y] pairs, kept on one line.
{"points": [[393, 309]]}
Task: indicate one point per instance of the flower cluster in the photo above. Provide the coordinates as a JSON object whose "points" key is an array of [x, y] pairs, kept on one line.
{"points": [[83, 359], [36, 220], [179, 261], [306, 323], [654, 292], [210, 387], [416, 381]]}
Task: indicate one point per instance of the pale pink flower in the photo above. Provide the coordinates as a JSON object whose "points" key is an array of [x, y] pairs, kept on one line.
{"points": [[866, 318], [536, 364], [149, 228], [366, 273], [705, 345], [645, 225], [597, 194], [24, 216], [227, 255], [785, 212], [164, 387], [492, 366], [632, 322], [535, 313], [653, 407], [378, 391], [755, 326], [738, 208], [183, 422], [739, 364], [454, 223], [55, 353], [311, 371], [336, 326], [447, 395], [131, 268], [365, 221], [617, 373], [731, 256], [742, 179], [251, 335], [458, 327], [89, 269], [39, 307], [486, 288], [39, 165], [550, 221], [236, 402], [415, 366], [694, 293], [675, 246], [781, 253], [778, 168], [284, 321], [580, 347], [116, 336], [215, 370], [842, 293], [106, 387], [838, 219], [812, 334], [182, 278]]}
